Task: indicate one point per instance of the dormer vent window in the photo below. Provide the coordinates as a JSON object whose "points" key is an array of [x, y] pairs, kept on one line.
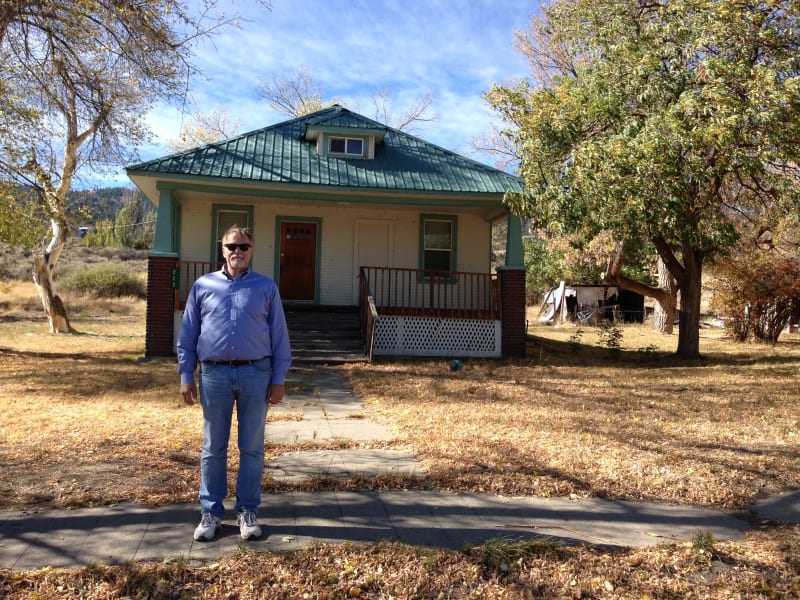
{"points": [[347, 146]]}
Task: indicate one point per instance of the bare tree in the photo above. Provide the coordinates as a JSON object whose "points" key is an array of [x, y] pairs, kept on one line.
{"points": [[498, 145], [206, 127], [294, 94], [300, 93], [414, 118]]}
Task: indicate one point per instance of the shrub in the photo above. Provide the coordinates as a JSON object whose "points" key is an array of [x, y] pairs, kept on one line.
{"points": [[104, 281], [15, 265], [759, 295], [128, 254]]}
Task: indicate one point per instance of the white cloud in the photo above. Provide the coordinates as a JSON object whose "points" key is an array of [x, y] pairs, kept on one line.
{"points": [[455, 48]]}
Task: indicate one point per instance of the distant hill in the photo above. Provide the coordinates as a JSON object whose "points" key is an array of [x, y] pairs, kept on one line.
{"points": [[84, 207], [95, 205]]}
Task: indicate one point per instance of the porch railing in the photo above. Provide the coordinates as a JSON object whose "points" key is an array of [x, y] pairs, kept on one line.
{"points": [[187, 273], [398, 291], [417, 292], [369, 314]]}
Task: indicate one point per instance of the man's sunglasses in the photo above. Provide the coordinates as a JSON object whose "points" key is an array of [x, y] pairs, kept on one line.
{"points": [[242, 247]]}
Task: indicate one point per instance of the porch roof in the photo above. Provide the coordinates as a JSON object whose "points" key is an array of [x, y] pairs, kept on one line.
{"points": [[284, 154]]}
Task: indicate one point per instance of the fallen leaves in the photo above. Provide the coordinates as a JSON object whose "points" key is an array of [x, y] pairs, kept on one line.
{"points": [[711, 434], [101, 428], [764, 565]]}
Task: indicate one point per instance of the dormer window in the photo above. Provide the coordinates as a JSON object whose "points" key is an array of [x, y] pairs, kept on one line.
{"points": [[342, 134], [346, 146]]}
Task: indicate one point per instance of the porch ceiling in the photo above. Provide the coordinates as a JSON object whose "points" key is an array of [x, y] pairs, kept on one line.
{"points": [[234, 192]]}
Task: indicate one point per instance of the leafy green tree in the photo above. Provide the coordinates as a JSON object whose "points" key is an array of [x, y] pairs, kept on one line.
{"points": [[76, 81], [134, 226], [549, 260], [102, 236], [657, 116]]}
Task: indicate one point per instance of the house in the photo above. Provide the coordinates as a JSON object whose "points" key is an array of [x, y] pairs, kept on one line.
{"points": [[346, 212]]}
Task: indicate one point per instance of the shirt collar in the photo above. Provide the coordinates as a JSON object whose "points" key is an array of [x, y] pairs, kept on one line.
{"points": [[224, 272]]}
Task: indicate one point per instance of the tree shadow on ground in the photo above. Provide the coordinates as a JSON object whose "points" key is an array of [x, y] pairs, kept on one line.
{"points": [[83, 376]]}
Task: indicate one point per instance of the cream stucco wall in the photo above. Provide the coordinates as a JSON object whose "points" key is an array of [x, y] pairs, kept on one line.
{"points": [[341, 228]]}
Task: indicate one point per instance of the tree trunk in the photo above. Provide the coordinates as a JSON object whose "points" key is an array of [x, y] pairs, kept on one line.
{"points": [[53, 306], [54, 201], [43, 267], [666, 306], [689, 315]]}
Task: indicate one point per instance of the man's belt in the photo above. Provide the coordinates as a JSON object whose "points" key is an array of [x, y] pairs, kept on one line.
{"points": [[235, 363]]}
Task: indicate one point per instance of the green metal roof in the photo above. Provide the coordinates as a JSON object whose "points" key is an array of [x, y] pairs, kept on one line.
{"points": [[285, 154]]}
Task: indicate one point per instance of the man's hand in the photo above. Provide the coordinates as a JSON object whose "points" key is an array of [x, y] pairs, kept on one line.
{"points": [[189, 393], [275, 393]]}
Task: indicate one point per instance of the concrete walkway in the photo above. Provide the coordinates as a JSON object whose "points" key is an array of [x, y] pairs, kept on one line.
{"points": [[321, 407]]}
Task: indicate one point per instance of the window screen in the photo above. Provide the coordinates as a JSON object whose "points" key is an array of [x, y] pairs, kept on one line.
{"points": [[438, 245], [349, 146]]}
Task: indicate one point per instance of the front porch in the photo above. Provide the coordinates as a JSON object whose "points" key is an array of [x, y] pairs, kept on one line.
{"points": [[413, 312], [401, 312]]}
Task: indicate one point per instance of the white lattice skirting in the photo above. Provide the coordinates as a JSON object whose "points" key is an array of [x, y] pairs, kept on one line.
{"points": [[429, 336]]}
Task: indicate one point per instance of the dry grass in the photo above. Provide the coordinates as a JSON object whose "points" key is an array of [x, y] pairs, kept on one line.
{"points": [[721, 431], [85, 422]]}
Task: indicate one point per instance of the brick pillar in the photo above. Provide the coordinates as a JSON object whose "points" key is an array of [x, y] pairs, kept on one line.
{"points": [[512, 301], [160, 306]]}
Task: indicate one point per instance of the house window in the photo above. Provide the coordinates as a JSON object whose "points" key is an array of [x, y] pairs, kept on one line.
{"points": [[438, 243], [347, 146], [224, 218]]}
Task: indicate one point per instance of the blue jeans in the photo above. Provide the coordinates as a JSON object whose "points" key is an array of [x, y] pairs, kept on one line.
{"points": [[222, 387]]}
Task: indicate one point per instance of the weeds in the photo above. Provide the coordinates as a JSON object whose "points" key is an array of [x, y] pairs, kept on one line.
{"points": [[575, 339], [610, 337], [503, 555], [703, 545]]}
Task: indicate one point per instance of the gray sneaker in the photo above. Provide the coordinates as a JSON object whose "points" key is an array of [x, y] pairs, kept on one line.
{"points": [[208, 527], [248, 524]]}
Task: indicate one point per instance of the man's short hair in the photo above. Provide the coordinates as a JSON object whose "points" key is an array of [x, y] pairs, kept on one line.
{"points": [[245, 231]]}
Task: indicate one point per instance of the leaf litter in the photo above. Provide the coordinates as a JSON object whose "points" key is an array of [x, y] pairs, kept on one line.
{"points": [[86, 423]]}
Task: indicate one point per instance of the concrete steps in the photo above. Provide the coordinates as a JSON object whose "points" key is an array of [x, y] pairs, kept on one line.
{"points": [[325, 335]]}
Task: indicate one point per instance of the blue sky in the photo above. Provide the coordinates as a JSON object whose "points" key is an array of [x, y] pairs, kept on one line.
{"points": [[455, 48]]}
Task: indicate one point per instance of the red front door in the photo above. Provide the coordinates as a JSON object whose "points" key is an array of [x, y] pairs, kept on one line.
{"points": [[298, 266]]}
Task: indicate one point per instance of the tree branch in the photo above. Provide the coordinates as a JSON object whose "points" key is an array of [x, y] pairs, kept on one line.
{"points": [[614, 276]]}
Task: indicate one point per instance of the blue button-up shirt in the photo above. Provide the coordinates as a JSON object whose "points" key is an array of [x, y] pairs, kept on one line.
{"points": [[230, 318]]}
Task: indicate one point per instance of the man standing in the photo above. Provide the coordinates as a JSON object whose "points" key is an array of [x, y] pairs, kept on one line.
{"points": [[234, 326]]}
